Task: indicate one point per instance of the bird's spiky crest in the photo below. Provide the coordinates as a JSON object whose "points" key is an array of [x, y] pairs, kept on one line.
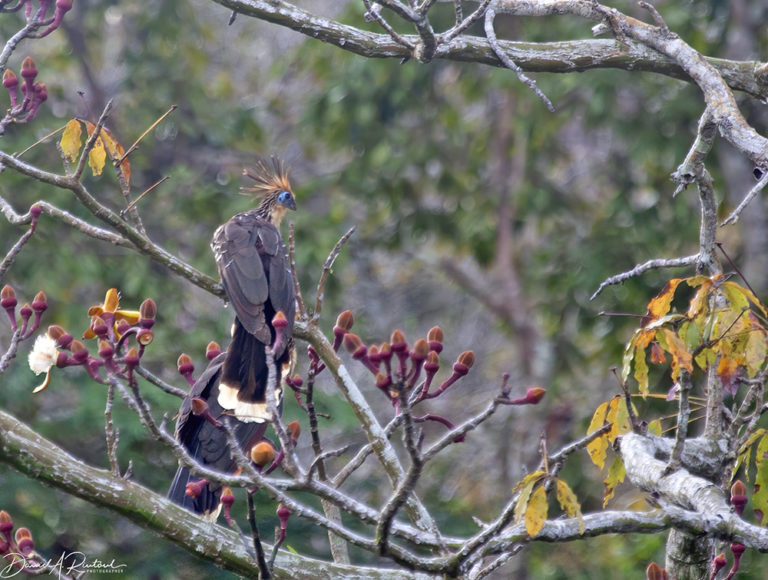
{"points": [[268, 179]]}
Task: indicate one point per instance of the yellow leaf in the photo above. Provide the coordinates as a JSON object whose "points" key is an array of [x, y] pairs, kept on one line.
{"points": [[569, 503], [659, 306], [756, 352], [681, 358], [113, 148], [598, 447], [610, 417], [622, 418], [695, 281], [525, 487], [536, 511], [70, 140], [616, 474], [698, 304], [97, 157]]}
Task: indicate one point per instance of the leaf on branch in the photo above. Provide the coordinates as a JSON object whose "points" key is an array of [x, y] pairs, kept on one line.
{"points": [[569, 503], [674, 345], [113, 149], [525, 487], [97, 157], [598, 447], [654, 427], [756, 351], [536, 511], [660, 305], [71, 140], [741, 297], [760, 495], [616, 474], [727, 370]]}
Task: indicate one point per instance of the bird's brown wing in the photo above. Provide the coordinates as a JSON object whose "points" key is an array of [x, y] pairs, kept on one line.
{"points": [[255, 272]]}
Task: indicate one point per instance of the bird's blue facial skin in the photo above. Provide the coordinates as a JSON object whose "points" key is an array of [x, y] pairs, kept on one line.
{"points": [[286, 198]]}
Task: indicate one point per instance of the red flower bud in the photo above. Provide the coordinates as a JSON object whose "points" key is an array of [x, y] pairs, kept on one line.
{"points": [[433, 362], [738, 496], [62, 337], [99, 326], [262, 454], [345, 320], [738, 549], [132, 357], [420, 350], [352, 342], [40, 302], [435, 338], [397, 341], [28, 70], [8, 297], [6, 524], [195, 488], [79, 352], [24, 541], [10, 80], [212, 350], [227, 497], [279, 320], [105, 349], [147, 313], [655, 572], [184, 364], [294, 429]]}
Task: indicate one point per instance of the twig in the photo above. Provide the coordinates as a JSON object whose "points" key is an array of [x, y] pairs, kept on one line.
{"points": [[301, 308], [734, 217], [654, 264], [131, 205], [91, 142], [490, 33], [327, 267], [372, 13], [158, 382], [10, 352], [135, 145], [693, 164], [112, 434], [10, 257], [683, 414], [463, 23], [260, 556]]}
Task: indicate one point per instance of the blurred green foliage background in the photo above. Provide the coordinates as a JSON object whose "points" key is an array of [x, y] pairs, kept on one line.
{"points": [[475, 208]]}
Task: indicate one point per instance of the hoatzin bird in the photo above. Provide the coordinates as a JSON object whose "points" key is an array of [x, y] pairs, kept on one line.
{"points": [[255, 272]]}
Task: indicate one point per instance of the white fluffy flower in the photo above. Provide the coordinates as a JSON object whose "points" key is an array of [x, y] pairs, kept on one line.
{"points": [[42, 358]]}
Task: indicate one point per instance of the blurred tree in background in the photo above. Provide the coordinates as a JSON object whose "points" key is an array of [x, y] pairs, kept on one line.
{"points": [[476, 209]]}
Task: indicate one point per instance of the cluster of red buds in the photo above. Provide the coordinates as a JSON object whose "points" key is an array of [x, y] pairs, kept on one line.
{"points": [[23, 107], [9, 302], [17, 548], [399, 368], [37, 14], [739, 502], [121, 335]]}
